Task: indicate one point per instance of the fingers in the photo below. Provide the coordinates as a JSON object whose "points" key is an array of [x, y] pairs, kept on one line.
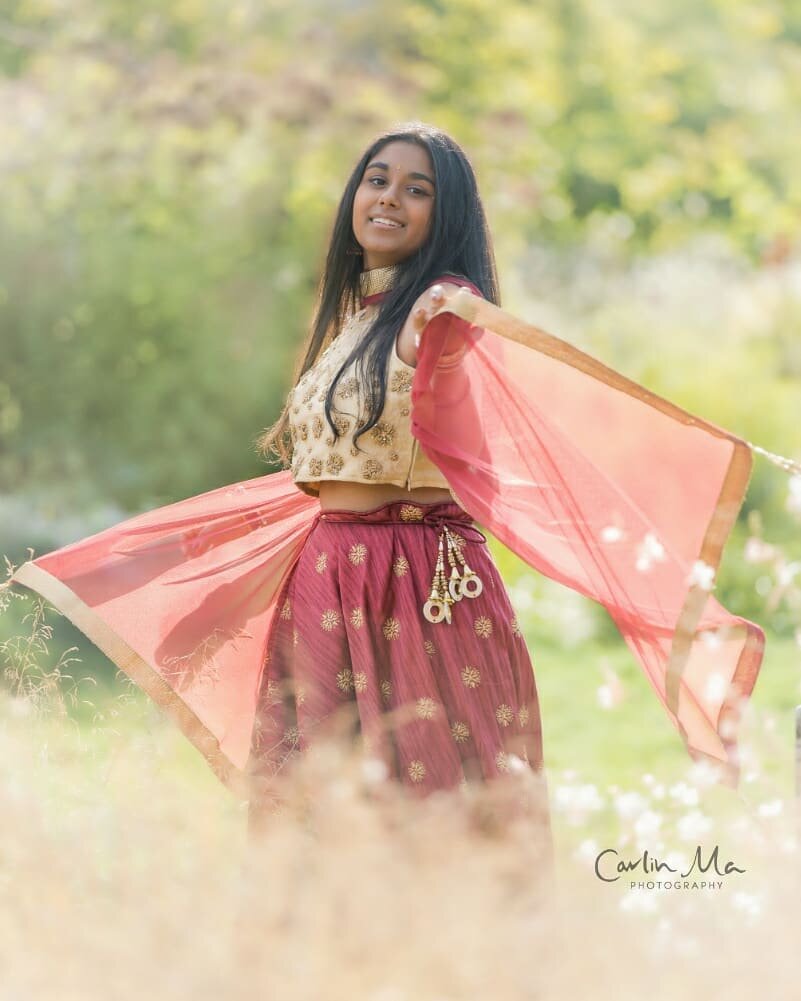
{"points": [[422, 314]]}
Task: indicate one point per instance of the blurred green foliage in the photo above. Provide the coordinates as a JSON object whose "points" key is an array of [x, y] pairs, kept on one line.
{"points": [[170, 174]]}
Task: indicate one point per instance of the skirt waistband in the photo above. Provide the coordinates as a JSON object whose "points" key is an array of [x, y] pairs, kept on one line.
{"points": [[445, 517], [434, 515]]}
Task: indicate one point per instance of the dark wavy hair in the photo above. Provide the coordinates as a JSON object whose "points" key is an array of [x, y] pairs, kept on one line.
{"points": [[458, 243]]}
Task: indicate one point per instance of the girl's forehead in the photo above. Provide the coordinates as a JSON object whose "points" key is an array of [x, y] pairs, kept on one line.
{"points": [[397, 157]]}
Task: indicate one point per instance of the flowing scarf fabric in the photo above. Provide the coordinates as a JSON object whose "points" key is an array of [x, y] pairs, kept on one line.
{"points": [[605, 487], [588, 477], [182, 598]]}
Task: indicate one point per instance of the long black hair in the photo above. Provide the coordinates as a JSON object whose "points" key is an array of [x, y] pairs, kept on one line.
{"points": [[458, 243]]}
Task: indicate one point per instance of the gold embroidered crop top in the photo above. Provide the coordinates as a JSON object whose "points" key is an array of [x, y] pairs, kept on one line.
{"points": [[387, 453]]}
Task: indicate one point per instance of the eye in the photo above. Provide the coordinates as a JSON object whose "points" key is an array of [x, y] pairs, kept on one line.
{"points": [[413, 188]]}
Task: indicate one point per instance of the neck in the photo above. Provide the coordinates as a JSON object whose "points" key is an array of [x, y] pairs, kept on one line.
{"points": [[377, 280]]}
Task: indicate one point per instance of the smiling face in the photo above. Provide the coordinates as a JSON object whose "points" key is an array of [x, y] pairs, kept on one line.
{"points": [[397, 186]]}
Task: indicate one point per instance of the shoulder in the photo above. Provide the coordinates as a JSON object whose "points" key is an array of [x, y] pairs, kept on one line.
{"points": [[450, 285], [452, 282]]}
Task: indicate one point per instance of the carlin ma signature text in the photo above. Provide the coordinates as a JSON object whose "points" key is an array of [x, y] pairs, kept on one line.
{"points": [[606, 865]]}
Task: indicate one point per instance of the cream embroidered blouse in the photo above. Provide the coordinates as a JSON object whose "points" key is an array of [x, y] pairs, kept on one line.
{"points": [[387, 453]]}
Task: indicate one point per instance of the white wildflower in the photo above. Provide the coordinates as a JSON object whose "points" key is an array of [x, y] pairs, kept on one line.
{"points": [[374, 771], [611, 692], [647, 824], [715, 687], [763, 585], [702, 774], [605, 697], [649, 551], [521, 596], [711, 640], [587, 851], [793, 503], [786, 573], [702, 575], [577, 800], [758, 551], [771, 808], [693, 825], [630, 804], [685, 794]]}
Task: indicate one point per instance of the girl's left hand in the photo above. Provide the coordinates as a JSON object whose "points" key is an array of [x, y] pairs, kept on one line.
{"points": [[429, 304]]}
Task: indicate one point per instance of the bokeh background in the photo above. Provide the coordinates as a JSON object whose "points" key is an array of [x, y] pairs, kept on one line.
{"points": [[170, 173]]}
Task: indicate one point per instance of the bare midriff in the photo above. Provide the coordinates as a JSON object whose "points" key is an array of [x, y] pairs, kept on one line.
{"points": [[336, 495]]}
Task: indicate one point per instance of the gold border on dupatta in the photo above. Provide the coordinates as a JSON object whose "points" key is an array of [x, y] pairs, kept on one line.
{"points": [[128, 660]]}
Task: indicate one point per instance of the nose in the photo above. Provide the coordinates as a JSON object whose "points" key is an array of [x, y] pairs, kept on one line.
{"points": [[387, 195]]}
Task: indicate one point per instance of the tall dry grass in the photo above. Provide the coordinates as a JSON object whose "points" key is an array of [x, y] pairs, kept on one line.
{"points": [[118, 882]]}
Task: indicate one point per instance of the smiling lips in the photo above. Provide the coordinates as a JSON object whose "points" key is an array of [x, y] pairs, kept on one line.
{"points": [[384, 222]]}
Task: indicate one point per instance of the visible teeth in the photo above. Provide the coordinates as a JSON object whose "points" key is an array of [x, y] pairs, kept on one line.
{"points": [[385, 222]]}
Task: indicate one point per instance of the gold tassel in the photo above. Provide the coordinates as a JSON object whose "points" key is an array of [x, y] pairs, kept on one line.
{"points": [[445, 593]]}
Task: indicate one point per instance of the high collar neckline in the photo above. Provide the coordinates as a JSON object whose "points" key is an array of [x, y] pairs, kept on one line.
{"points": [[375, 283]]}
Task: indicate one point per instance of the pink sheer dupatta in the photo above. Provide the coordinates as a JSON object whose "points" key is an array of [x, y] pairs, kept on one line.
{"points": [[603, 486], [182, 599]]}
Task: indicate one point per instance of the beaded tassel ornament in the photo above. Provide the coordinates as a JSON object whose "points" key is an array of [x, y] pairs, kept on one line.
{"points": [[444, 592]]}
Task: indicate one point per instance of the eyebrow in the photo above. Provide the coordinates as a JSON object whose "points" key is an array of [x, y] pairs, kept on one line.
{"points": [[414, 173]]}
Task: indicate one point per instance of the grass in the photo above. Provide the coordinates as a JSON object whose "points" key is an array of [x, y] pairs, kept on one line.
{"points": [[129, 865]]}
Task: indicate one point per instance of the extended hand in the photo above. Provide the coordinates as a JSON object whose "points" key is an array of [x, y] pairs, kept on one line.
{"points": [[429, 304]]}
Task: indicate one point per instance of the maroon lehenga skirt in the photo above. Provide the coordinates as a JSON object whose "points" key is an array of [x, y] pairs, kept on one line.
{"points": [[440, 703]]}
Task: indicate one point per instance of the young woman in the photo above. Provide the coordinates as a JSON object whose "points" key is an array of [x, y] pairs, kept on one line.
{"points": [[395, 609], [356, 584]]}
